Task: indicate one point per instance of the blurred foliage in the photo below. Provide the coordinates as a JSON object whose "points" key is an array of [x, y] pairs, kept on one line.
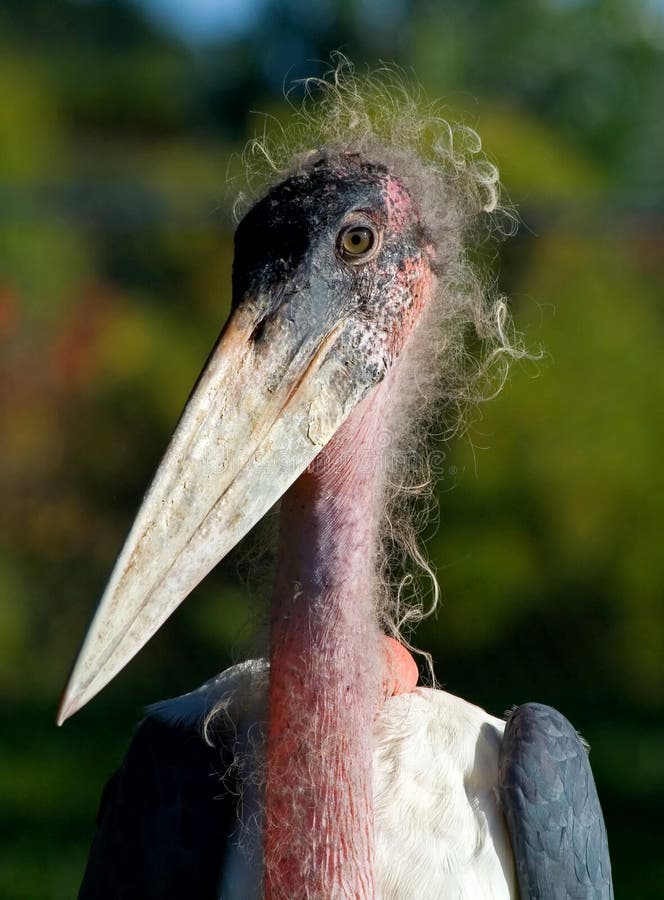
{"points": [[115, 253]]}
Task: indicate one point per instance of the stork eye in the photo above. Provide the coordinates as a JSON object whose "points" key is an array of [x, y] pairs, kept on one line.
{"points": [[356, 243]]}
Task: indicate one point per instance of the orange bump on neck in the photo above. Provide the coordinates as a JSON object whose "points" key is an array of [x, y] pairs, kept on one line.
{"points": [[401, 672]]}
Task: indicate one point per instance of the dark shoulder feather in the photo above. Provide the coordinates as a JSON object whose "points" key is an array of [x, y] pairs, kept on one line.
{"points": [[164, 818], [552, 809]]}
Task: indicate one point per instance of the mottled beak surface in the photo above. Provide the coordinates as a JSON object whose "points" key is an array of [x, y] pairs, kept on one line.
{"points": [[264, 406]]}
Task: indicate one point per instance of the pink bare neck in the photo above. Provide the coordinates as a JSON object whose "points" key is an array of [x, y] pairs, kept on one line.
{"points": [[327, 678]]}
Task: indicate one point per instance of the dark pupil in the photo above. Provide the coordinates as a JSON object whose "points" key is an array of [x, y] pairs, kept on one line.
{"points": [[357, 238]]}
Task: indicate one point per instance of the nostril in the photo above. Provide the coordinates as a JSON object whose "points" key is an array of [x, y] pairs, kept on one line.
{"points": [[259, 329]]}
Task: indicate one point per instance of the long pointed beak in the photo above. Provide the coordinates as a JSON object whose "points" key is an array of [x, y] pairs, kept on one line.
{"points": [[270, 397]]}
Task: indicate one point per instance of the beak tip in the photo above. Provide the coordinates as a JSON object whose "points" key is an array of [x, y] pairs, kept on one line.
{"points": [[72, 700], [62, 714]]}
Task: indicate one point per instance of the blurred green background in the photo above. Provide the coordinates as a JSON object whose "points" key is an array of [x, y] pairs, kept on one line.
{"points": [[119, 122]]}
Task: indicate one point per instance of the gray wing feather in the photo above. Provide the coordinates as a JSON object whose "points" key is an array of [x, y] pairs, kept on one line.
{"points": [[552, 809], [164, 818]]}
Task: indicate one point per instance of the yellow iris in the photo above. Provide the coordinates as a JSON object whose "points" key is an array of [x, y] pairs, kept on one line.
{"points": [[356, 241]]}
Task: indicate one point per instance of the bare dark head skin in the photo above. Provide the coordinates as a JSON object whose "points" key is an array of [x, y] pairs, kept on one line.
{"points": [[340, 241], [336, 247]]}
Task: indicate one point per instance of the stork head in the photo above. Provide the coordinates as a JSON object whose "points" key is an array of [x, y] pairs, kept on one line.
{"points": [[337, 248], [333, 268]]}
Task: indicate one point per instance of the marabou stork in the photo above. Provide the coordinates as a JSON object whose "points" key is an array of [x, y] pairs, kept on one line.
{"points": [[327, 773]]}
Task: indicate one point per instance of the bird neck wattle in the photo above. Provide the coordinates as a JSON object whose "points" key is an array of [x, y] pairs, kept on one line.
{"points": [[325, 675]]}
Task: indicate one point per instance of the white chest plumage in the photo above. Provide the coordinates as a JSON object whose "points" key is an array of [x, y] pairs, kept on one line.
{"points": [[439, 830]]}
